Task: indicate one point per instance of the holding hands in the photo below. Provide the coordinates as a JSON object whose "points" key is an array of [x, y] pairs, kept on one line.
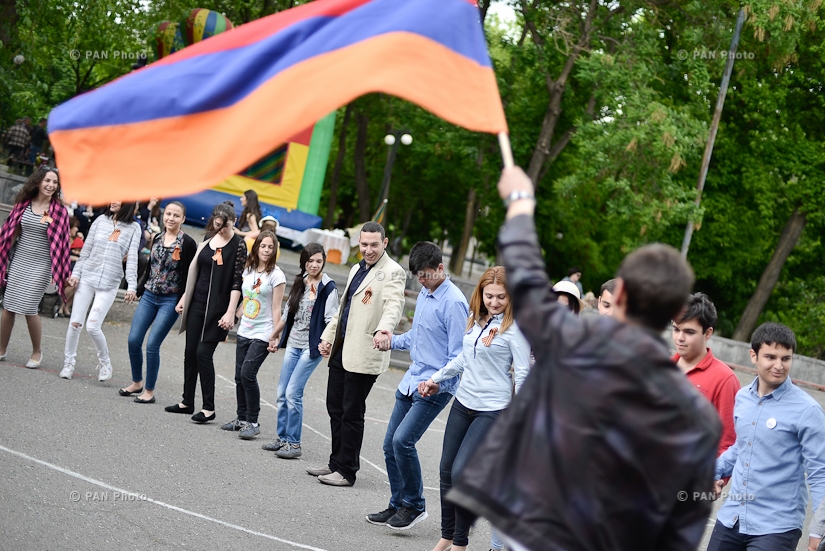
{"points": [[324, 348], [227, 322], [427, 388], [129, 297], [72, 282], [382, 340]]}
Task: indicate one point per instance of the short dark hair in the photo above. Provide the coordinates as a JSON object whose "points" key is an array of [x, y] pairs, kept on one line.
{"points": [[657, 281], [573, 270], [374, 227], [423, 255], [43, 120], [775, 334], [609, 286], [701, 308]]}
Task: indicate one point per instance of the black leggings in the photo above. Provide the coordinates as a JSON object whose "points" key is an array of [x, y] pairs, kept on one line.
{"points": [[197, 360]]}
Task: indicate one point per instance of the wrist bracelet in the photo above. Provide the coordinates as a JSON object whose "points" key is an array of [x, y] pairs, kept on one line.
{"points": [[518, 195]]}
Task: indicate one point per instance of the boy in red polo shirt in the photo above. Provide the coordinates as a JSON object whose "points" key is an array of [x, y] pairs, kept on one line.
{"points": [[714, 379]]}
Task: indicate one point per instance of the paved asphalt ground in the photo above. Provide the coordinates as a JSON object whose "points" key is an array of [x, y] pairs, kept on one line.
{"points": [[71, 450]]}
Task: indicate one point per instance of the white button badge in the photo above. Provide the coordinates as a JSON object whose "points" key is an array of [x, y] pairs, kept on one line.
{"points": [[771, 423]]}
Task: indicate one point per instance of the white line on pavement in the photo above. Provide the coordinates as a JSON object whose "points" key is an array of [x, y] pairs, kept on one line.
{"points": [[156, 502]]}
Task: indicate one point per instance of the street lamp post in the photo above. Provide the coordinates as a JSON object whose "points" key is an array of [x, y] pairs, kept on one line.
{"points": [[392, 139]]}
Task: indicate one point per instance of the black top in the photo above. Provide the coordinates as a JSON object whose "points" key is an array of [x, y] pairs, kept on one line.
{"points": [[201, 292], [187, 255], [605, 437], [220, 280], [39, 136]]}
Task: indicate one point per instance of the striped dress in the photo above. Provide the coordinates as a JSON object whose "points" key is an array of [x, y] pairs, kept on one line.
{"points": [[30, 271]]}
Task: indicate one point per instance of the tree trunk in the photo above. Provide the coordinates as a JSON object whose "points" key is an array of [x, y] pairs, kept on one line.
{"points": [[787, 242], [336, 171], [361, 186], [459, 252], [8, 17]]}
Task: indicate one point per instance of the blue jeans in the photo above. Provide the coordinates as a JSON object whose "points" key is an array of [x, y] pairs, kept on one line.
{"points": [[295, 372], [466, 428], [409, 420], [157, 311], [249, 356]]}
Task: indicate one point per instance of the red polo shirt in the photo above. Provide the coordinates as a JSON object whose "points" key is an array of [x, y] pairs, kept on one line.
{"points": [[719, 384]]}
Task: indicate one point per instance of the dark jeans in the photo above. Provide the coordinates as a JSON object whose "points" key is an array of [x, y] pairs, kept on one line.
{"points": [[466, 428], [197, 360], [249, 355], [346, 404], [157, 311], [729, 539], [410, 418]]}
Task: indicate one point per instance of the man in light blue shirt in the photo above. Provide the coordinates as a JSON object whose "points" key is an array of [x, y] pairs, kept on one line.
{"points": [[780, 436], [435, 338]]}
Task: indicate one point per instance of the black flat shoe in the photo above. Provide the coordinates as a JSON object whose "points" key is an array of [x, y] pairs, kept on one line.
{"points": [[124, 392], [199, 417], [149, 401], [175, 408]]}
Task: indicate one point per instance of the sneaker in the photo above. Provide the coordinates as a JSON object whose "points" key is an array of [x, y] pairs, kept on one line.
{"points": [[274, 446], [406, 518], [250, 431], [234, 424], [334, 479], [289, 451], [319, 471], [382, 517], [67, 371], [105, 373]]}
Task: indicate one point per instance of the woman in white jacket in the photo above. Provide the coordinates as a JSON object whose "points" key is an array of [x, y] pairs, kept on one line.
{"points": [[97, 275]]}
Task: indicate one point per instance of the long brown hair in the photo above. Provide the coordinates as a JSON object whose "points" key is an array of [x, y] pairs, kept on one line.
{"points": [[252, 258], [252, 207], [32, 186], [299, 286], [492, 276]]}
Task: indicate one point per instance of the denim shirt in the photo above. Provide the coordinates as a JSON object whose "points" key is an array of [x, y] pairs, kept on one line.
{"points": [[485, 384], [436, 336], [779, 437]]}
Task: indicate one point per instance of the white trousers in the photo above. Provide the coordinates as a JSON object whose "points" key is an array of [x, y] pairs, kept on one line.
{"points": [[101, 301]]}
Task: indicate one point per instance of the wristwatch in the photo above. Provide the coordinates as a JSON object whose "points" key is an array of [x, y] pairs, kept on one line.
{"points": [[516, 195]]}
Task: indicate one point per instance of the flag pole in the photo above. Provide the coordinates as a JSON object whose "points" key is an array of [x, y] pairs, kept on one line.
{"points": [[506, 151]]}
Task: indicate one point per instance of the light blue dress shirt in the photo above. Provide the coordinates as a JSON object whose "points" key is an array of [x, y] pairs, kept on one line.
{"points": [[485, 383], [435, 338], [779, 437]]}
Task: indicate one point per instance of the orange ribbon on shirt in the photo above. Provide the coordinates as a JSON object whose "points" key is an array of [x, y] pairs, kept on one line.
{"points": [[218, 257], [367, 296], [488, 340], [176, 253], [115, 235]]}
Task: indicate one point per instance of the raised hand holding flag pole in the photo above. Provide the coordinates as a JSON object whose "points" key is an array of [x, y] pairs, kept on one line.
{"points": [[212, 109]]}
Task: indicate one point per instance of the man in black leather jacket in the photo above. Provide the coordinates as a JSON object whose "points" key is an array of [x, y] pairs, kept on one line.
{"points": [[607, 446]]}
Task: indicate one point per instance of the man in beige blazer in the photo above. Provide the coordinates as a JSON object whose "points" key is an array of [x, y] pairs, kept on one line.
{"points": [[372, 302]]}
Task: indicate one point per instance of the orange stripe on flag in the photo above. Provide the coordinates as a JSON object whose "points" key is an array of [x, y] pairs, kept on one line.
{"points": [[182, 155]]}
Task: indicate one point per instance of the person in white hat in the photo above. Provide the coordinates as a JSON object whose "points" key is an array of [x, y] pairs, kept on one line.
{"points": [[569, 294]]}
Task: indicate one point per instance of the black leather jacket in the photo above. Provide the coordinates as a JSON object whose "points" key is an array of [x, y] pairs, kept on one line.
{"points": [[606, 443]]}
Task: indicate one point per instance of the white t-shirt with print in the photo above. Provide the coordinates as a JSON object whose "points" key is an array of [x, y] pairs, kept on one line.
{"points": [[257, 288]]}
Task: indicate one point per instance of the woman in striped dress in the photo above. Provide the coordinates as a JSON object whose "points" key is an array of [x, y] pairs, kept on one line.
{"points": [[38, 229], [97, 275]]}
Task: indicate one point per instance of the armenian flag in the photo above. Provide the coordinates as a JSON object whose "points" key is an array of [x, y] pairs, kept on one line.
{"points": [[211, 110]]}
